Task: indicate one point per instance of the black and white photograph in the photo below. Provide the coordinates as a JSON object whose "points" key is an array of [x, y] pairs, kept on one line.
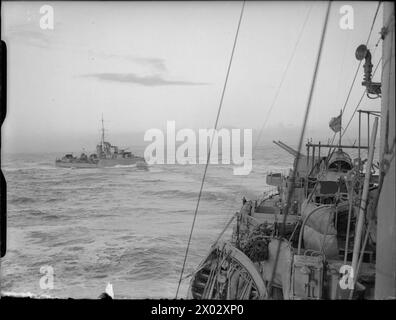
{"points": [[197, 150]]}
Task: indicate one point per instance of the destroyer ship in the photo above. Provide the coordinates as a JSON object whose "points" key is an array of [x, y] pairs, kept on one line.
{"points": [[327, 229], [106, 155]]}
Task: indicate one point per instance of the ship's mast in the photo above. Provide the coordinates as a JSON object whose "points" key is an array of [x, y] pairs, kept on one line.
{"points": [[339, 140], [103, 131]]}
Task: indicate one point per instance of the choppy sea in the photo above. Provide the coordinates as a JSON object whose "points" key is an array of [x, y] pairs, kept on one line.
{"points": [[119, 225]]}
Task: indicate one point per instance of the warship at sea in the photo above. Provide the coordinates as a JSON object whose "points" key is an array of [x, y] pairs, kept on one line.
{"points": [[106, 155], [327, 229]]}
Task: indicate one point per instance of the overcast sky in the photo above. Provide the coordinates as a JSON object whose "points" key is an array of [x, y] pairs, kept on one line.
{"points": [[142, 63]]}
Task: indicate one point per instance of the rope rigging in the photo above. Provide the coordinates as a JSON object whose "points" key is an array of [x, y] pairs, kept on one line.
{"points": [[288, 64], [275, 98], [283, 78], [302, 133], [211, 144], [357, 70], [331, 151], [295, 167], [360, 100], [360, 62], [383, 29]]}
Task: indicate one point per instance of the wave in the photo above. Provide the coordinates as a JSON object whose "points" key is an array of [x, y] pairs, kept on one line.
{"points": [[86, 221], [36, 213], [206, 195], [21, 200], [124, 166], [151, 181], [155, 169], [28, 169], [54, 200], [25, 295]]}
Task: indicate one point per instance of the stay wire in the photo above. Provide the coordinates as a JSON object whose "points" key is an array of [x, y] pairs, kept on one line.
{"points": [[208, 157], [360, 100], [295, 167], [282, 79], [376, 45], [360, 62]]}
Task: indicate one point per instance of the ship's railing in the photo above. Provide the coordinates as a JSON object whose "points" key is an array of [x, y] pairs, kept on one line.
{"points": [[268, 192]]}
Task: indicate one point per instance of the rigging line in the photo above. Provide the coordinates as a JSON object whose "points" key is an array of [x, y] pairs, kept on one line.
{"points": [[360, 100], [360, 62], [283, 78], [357, 106], [385, 26], [375, 18], [295, 167], [267, 116], [211, 144], [331, 151], [350, 90]]}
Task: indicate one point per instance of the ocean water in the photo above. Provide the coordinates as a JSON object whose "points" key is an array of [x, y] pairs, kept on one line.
{"points": [[119, 225]]}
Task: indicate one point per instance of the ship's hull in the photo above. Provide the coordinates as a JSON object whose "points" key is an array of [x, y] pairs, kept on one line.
{"points": [[102, 163], [75, 164]]}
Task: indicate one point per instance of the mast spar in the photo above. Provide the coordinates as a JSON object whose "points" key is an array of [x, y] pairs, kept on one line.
{"points": [[339, 140], [103, 130]]}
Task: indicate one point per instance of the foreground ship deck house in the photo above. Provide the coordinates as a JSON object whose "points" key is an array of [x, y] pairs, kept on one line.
{"points": [[331, 214]]}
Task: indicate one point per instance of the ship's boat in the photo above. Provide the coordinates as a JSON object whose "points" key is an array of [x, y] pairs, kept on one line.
{"points": [[227, 273]]}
